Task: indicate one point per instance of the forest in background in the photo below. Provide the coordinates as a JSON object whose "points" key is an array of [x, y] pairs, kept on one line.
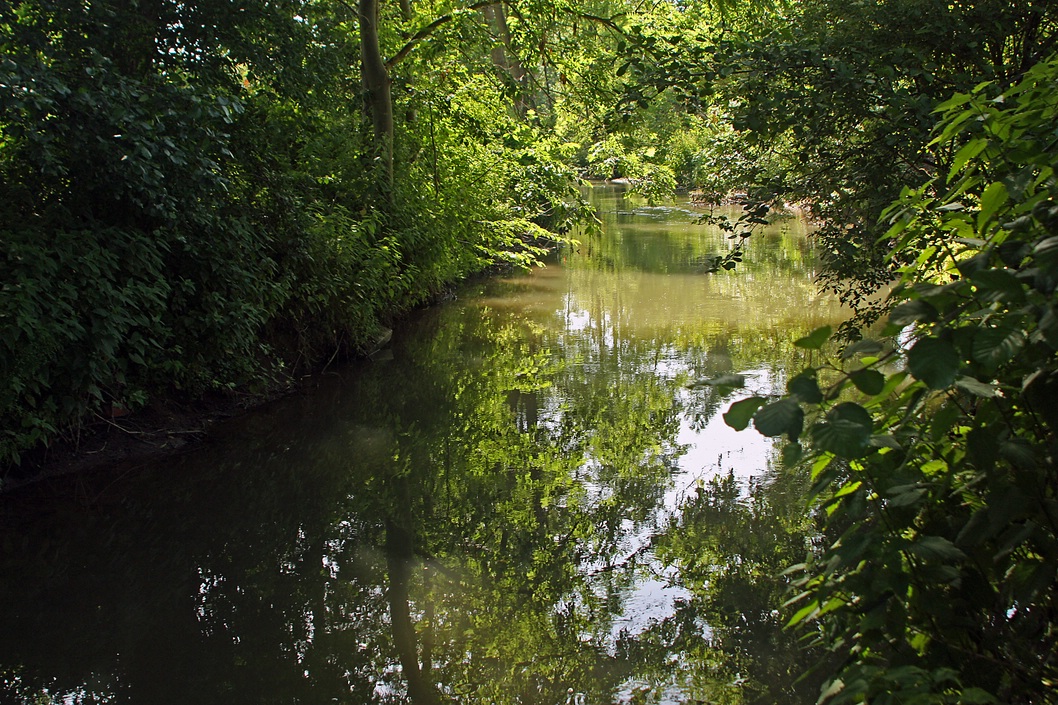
{"points": [[218, 195]]}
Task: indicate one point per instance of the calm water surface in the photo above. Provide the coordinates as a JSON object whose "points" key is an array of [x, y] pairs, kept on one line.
{"points": [[525, 498]]}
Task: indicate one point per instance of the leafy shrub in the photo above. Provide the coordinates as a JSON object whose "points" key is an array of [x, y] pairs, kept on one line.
{"points": [[938, 477], [80, 325]]}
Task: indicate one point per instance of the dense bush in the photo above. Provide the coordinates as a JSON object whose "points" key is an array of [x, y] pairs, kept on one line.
{"points": [[190, 200], [936, 467]]}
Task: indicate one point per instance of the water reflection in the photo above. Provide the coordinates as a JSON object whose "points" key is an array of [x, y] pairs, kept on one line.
{"points": [[527, 502]]}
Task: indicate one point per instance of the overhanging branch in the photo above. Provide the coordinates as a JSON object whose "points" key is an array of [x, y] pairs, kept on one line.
{"points": [[431, 28]]}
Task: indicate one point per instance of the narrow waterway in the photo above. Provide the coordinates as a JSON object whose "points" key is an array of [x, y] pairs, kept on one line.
{"points": [[526, 497]]}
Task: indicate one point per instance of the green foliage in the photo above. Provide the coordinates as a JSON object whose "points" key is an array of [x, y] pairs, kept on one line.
{"points": [[124, 268], [613, 158], [190, 201], [938, 479], [828, 105]]}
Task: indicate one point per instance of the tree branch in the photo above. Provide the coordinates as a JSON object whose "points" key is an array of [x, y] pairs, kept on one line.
{"points": [[430, 29], [445, 19]]}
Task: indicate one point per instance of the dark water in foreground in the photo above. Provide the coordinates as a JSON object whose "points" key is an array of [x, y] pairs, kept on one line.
{"points": [[524, 499]]}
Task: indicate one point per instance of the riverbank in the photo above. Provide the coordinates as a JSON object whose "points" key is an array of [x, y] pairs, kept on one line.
{"points": [[162, 428], [121, 440]]}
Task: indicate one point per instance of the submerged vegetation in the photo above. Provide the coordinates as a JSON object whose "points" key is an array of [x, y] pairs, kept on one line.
{"points": [[217, 195]]}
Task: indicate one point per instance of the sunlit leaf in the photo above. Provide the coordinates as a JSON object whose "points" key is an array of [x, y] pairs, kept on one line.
{"points": [[805, 613], [956, 101], [968, 151], [993, 198], [836, 686]]}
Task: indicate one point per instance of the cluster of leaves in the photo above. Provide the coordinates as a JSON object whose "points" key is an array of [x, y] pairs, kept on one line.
{"points": [[933, 454]]}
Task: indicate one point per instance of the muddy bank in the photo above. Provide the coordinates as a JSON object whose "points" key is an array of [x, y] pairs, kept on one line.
{"points": [[122, 442]]}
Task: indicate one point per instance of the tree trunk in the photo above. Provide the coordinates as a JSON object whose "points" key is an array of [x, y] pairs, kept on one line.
{"points": [[400, 559], [378, 98], [506, 59]]}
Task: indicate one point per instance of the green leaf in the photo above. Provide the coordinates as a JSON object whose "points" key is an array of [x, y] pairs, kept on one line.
{"points": [[816, 339], [1048, 326], [993, 198], [981, 447], [994, 346], [792, 453], [936, 548], [975, 531], [805, 388], [998, 284], [1046, 249], [942, 421], [868, 381], [956, 101], [934, 361], [806, 613], [846, 431], [1018, 453], [976, 696], [833, 688], [777, 418], [976, 387], [968, 151], [906, 495], [912, 311], [740, 413], [861, 347]]}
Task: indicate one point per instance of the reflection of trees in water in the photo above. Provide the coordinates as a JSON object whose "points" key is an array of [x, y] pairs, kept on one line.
{"points": [[455, 524], [730, 544], [675, 240], [541, 479], [200, 583]]}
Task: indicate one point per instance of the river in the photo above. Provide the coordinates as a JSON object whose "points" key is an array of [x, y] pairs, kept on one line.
{"points": [[528, 496]]}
